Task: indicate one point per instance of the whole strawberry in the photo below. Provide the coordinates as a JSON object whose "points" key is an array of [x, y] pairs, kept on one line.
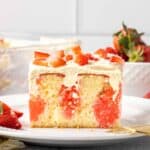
{"points": [[146, 54], [130, 46]]}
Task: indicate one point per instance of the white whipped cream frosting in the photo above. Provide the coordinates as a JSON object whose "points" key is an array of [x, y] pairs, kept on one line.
{"points": [[71, 71]]}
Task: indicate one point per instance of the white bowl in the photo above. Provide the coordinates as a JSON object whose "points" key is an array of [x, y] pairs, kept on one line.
{"points": [[136, 79]]}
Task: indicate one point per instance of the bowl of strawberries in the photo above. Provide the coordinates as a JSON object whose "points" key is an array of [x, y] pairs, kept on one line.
{"points": [[129, 45]]}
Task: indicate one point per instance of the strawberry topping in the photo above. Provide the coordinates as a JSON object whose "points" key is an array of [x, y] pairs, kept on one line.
{"points": [[81, 59], [60, 53], [91, 57], [111, 50], [102, 53], [40, 62], [41, 55], [68, 57], [57, 62], [60, 58], [77, 50], [117, 59]]}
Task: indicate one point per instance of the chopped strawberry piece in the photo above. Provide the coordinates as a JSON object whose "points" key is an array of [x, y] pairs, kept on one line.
{"points": [[40, 58], [106, 110], [10, 121], [111, 50], [69, 100], [18, 114], [117, 59], [60, 53], [81, 59], [69, 57], [90, 57], [41, 55], [40, 62], [77, 50], [58, 62], [102, 53], [9, 117], [6, 108], [147, 95]]}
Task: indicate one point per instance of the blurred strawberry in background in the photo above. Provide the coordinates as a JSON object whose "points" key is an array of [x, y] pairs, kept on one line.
{"points": [[147, 95], [130, 46]]}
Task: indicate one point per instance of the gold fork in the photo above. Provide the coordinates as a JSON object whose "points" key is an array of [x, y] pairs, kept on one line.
{"points": [[143, 129]]}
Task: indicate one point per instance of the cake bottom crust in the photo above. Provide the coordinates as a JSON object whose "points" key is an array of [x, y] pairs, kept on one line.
{"points": [[35, 125]]}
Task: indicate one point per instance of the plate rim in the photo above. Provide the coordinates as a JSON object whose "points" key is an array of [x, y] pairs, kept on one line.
{"points": [[25, 136]]}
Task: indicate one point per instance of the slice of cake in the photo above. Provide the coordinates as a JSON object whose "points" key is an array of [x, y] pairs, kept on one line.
{"points": [[75, 89]]}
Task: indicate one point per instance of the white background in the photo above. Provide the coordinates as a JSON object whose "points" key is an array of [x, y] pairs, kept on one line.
{"points": [[93, 21]]}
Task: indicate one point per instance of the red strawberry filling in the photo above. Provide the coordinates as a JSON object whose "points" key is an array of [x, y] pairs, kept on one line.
{"points": [[107, 110], [69, 100], [36, 105]]}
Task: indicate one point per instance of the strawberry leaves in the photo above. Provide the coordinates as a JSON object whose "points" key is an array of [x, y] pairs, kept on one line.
{"points": [[127, 41], [124, 41], [135, 55]]}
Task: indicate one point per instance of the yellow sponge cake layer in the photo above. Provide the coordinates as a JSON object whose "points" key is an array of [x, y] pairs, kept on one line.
{"points": [[47, 87]]}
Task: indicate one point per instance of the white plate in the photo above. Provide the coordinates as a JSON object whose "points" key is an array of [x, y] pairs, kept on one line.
{"points": [[135, 111]]}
